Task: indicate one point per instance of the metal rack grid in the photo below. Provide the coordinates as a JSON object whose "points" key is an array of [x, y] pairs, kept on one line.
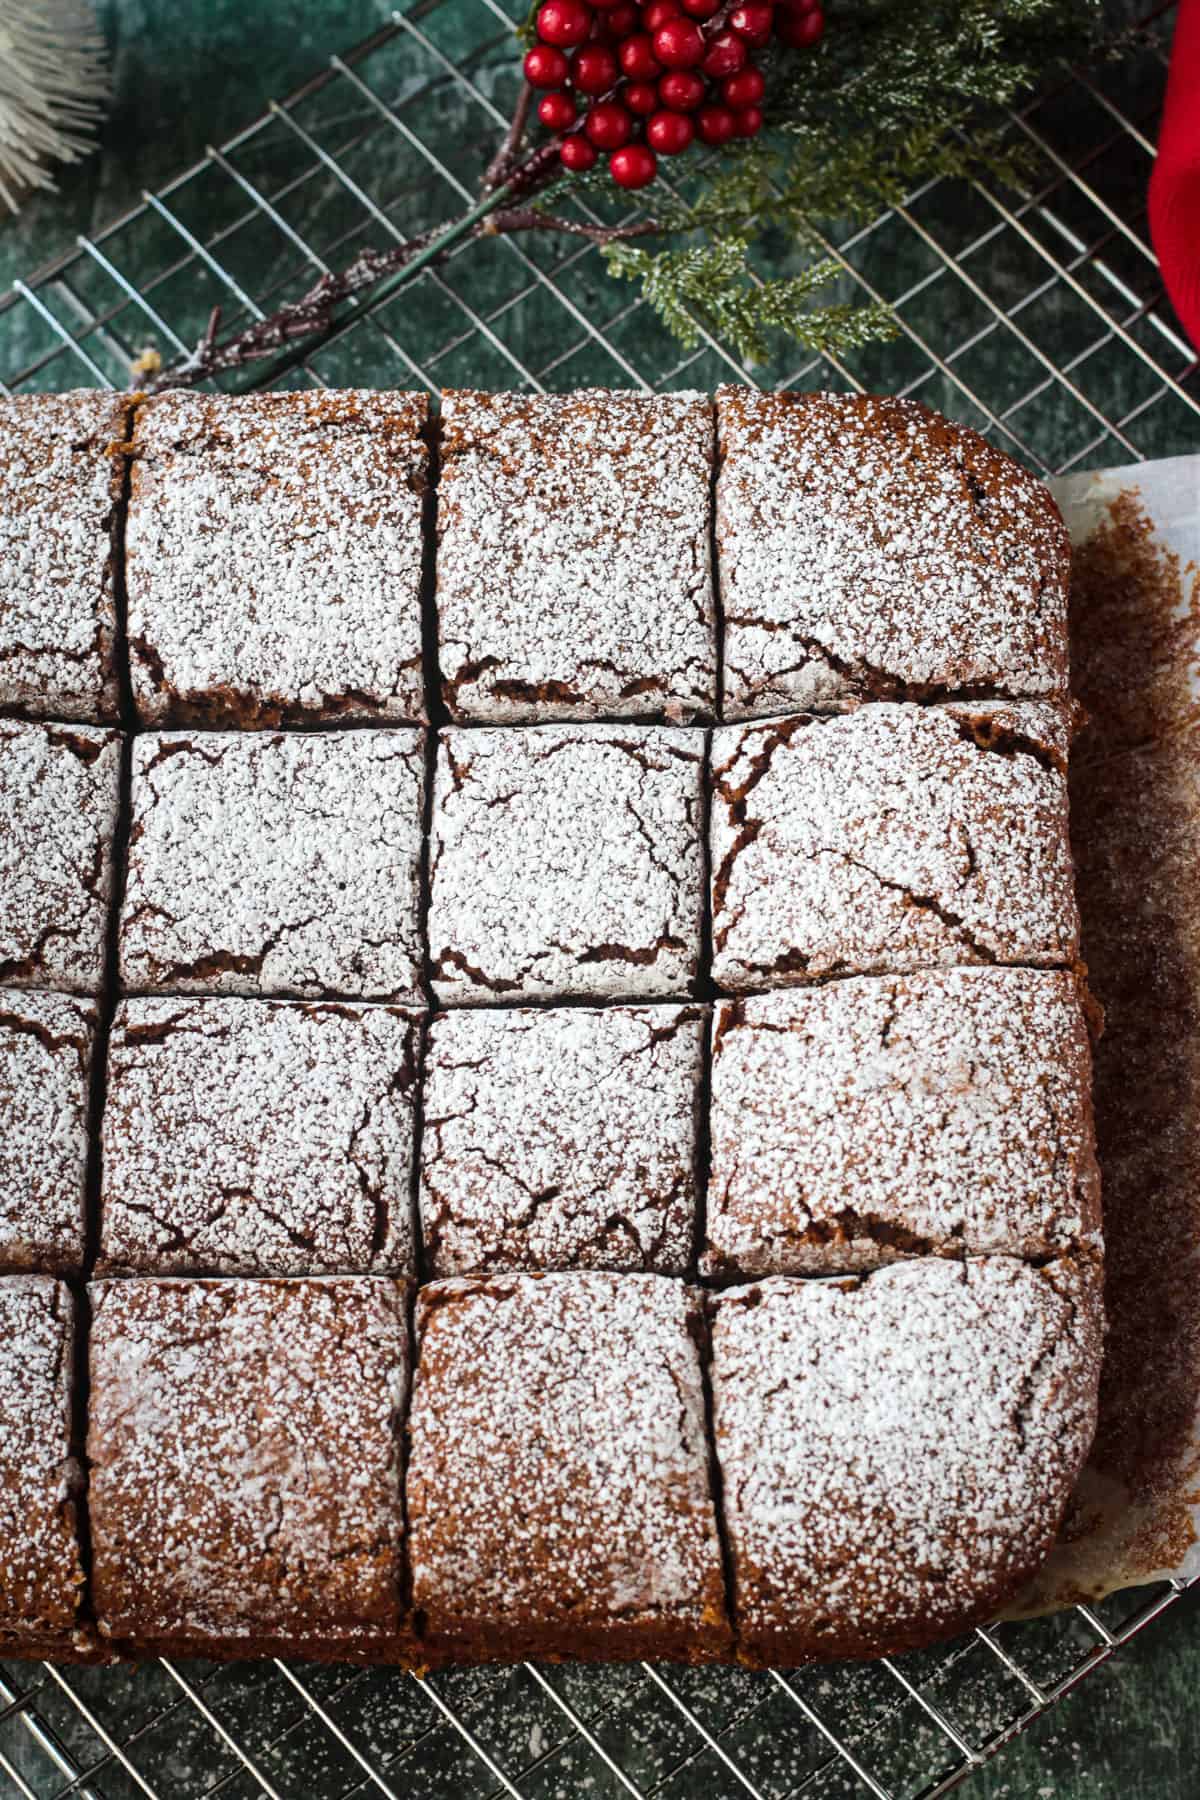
{"points": [[1036, 316]]}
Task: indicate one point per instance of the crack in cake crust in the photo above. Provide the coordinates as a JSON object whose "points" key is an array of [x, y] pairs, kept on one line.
{"points": [[870, 549], [890, 838], [562, 598], [251, 1137], [561, 1139], [275, 864], [566, 860]]}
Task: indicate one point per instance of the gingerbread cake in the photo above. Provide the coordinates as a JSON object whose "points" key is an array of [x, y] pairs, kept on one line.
{"points": [[606, 1172], [897, 1452], [275, 864], [41, 1567], [46, 1043], [870, 549], [561, 597], [560, 1138], [258, 1137], [244, 1453], [566, 860], [559, 1501], [58, 801], [943, 1112], [895, 837], [273, 558], [61, 478]]}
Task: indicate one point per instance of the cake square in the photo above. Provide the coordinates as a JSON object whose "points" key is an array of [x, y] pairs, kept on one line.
{"points": [[275, 864], [869, 548], [245, 1486], [58, 800], [46, 1045], [41, 1570], [944, 1112], [566, 860], [559, 1502], [897, 1452], [258, 1137], [61, 476], [273, 556], [895, 837], [561, 1138], [574, 577]]}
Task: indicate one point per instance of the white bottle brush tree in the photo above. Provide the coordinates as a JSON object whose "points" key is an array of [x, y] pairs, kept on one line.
{"points": [[53, 85]]}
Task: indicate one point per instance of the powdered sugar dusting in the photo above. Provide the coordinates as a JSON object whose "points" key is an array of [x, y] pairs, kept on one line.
{"points": [[258, 1137], [896, 1453], [875, 1118], [275, 864], [58, 799], [561, 1139], [894, 837], [573, 565], [245, 1468], [869, 547], [40, 1571], [557, 1485], [273, 557], [45, 1061], [61, 487], [566, 860]]}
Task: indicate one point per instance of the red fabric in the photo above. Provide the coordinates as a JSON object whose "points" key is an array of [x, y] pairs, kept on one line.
{"points": [[1175, 183]]}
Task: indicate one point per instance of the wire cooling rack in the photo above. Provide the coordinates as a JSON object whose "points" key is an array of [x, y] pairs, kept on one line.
{"points": [[1037, 317]]}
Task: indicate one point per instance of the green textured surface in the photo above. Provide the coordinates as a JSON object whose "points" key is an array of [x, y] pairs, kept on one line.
{"points": [[189, 74]]}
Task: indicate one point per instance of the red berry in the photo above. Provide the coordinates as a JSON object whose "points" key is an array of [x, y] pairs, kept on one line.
{"points": [[563, 22], [701, 9], [638, 59], [622, 21], [752, 21], [726, 54], [799, 6], [657, 15], [715, 124], [556, 111], [593, 69], [545, 67], [640, 97], [679, 44], [669, 133], [681, 90], [576, 154], [747, 121], [745, 89], [608, 125], [605, 5], [800, 30], [633, 166]]}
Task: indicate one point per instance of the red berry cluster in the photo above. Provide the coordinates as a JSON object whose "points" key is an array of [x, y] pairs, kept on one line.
{"points": [[643, 80]]}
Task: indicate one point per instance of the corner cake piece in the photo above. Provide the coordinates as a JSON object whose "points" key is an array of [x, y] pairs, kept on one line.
{"points": [[897, 1453], [869, 548], [273, 558], [245, 1487], [895, 837], [41, 1571], [275, 864], [574, 573], [566, 860], [560, 1139], [61, 477], [58, 801], [258, 1137], [872, 1119], [559, 1502], [46, 1043]]}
